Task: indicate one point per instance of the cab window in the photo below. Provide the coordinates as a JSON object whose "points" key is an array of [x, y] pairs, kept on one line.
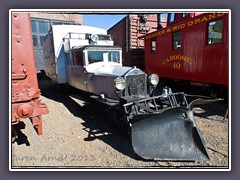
{"points": [[114, 56]]}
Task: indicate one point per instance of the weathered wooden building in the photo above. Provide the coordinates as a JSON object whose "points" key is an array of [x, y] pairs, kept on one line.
{"points": [[127, 34]]}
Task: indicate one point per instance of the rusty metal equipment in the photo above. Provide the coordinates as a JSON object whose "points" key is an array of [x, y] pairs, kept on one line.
{"points": [[26, 102]]}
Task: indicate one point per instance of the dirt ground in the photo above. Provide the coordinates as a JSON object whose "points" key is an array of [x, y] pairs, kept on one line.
{"points": [[76, 136]]}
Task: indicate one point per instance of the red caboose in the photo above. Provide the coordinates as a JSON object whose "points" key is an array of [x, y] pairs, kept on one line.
{"points": [[193, 47], [26, 101]]}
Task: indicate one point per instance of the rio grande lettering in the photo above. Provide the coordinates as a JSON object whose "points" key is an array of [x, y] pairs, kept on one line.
{"points": [[184, 25]]}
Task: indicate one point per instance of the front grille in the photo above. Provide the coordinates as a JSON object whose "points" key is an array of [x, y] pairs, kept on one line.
{"points": [[136, 85]]}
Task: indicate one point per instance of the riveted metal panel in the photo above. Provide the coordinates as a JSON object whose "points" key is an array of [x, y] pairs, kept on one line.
{"points": [[24, 74], [26, 101]]}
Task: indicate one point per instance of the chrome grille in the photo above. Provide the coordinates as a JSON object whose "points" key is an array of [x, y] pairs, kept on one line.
{"points": [[136, 85]]}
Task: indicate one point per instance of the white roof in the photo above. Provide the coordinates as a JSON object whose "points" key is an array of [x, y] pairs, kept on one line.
{"points": [[60, 31]]}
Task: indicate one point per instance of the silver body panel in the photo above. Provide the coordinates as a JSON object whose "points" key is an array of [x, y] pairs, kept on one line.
{"points": [[98, 78]]}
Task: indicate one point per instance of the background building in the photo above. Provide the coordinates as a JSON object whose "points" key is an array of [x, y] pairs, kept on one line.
{"points": [[127, 34], [41, 23]]}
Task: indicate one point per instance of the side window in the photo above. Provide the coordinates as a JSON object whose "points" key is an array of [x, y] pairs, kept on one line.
{"points": [[162, 20], [55, 22], [186, 14], [114, 56], [177, 40], [39, 31], [171, 17], [153, 45], [215, 31], [78, 58], [40, 28], [69, 59]]}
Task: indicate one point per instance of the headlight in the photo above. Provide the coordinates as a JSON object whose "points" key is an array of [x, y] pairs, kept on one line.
{"points": [[153, 79], [120, 83], [94, 37]]}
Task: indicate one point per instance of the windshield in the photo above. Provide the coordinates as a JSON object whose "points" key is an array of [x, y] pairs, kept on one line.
{"points": [[103, 56]]}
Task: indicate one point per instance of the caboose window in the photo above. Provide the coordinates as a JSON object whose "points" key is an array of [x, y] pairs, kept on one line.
{"points": [[186, 14], [177, 40], [215, 31], [153, 45]]}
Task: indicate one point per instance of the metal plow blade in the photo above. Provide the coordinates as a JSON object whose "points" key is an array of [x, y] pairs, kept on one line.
{"points": [[170, 135]]}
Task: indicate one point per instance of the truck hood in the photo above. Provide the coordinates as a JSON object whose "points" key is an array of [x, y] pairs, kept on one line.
{"points": [[108, 70]]}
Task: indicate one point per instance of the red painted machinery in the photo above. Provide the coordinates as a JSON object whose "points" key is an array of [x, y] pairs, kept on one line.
{"points": [[193, 47], [26, 102]]}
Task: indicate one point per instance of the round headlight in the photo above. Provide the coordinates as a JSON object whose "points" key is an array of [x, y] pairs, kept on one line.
{"points": [[120, 83], [94, 37], [153, 79]]}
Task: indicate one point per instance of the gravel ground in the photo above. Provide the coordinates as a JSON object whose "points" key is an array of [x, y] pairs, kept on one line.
{"points": [[76, 136]]}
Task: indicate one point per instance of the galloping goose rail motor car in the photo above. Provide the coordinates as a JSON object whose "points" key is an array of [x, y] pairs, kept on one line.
{"points": [[161, 127]]}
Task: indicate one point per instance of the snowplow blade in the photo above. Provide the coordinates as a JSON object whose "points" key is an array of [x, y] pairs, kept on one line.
{"points": [[170, 135]]}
